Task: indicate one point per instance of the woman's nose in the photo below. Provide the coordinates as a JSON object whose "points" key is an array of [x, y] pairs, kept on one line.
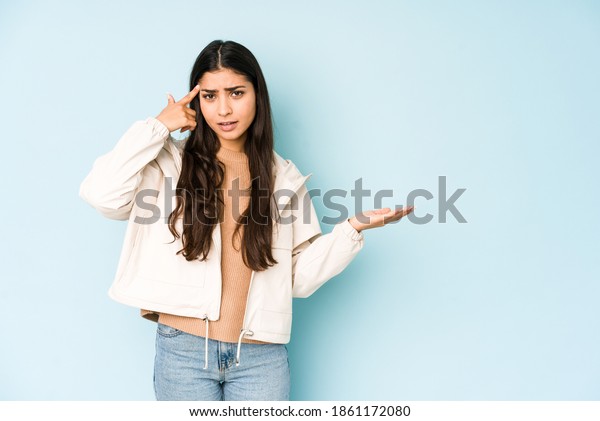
{"points": [[224, 108]]}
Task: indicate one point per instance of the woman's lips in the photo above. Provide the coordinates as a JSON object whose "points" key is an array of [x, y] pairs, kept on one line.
{"points": [[228, 126]]}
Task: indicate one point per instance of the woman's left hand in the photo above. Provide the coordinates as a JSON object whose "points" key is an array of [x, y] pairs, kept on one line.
{"points": [[378, 217]]}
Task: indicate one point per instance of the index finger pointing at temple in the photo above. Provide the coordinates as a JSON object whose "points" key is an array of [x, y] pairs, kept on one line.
{"points": [[188, 98]]}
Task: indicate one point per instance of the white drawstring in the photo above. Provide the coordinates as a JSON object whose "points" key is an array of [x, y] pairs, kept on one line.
{"points": [[205, 318], [239, 344]]}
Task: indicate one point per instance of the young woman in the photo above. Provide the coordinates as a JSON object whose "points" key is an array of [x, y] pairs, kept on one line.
{"points": [[222, 234]]}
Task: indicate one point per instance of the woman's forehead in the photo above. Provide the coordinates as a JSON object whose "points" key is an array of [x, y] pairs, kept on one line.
{"points": [[220, 79]]}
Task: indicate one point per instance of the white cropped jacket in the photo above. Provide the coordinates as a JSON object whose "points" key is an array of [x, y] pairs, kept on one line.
{"points": [[122, 185]]}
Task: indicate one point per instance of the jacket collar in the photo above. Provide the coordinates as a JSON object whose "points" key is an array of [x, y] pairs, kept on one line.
{"points": [[288, 178]]}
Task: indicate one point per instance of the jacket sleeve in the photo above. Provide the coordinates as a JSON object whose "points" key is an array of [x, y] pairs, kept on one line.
{"points": [[115, 176], [319, 257]]}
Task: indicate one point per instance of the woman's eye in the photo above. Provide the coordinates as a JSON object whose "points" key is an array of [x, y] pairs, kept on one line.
{"points": [[208, 96], [237, 93]]}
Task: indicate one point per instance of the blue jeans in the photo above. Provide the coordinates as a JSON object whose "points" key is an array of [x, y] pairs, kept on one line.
{"points": [[179, 374]]}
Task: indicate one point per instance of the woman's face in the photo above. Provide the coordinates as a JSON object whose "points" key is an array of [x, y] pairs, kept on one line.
{"points": [[228, 104]]}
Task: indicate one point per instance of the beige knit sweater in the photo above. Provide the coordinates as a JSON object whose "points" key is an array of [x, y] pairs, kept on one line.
{"points": [[235, 274]]}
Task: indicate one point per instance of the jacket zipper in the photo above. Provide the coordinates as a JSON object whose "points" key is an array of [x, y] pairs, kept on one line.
{"points": [[247, 301]]}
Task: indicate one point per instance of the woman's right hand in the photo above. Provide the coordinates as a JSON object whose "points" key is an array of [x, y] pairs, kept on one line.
{"points": [[177, 115]]}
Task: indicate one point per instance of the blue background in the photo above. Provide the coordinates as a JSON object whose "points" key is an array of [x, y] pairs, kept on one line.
{"points": [[501, 97]]}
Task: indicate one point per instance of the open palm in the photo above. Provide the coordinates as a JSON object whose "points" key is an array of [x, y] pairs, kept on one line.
{"points": [[378, 217]]}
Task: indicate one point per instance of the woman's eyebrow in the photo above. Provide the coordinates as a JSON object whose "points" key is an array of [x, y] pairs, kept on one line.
{"points": [[212, 91]]}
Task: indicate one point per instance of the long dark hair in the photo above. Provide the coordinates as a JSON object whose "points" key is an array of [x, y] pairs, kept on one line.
{"points": [[198, 191]]}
